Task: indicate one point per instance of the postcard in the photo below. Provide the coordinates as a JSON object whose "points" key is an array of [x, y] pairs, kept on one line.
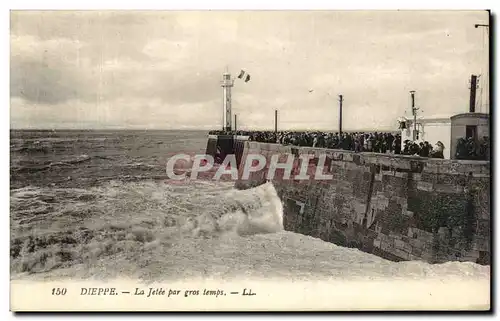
{"points": [[249, 160]]}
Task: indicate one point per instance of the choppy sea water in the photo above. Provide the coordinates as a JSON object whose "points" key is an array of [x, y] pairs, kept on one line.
{"points": [[94, 205]]}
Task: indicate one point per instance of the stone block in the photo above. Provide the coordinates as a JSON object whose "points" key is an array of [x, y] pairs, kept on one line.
{"points": [[416, 243], [386, 172], [348, 157], [433, 166], [425, 186], [400, 244], [380, 202], [483, 228], [414, 257], [408, 213], [336, 164], [400, 253], [427, 256], [338, 155], [417, 251], [416, 176], [387, 242], [357, 159], [451, 189], [352, 166], [359, 208], [482, 244], [399, 200], [443, 179], [472, 253], [395, 236], [401, 175], [443, 232], [424, 235]]}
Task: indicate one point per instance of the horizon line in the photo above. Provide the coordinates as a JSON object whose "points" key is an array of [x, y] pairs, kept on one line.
{"points": [[201, 130]]}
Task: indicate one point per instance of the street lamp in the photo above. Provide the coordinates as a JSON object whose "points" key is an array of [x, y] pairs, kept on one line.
{"points": [[477, 25]]}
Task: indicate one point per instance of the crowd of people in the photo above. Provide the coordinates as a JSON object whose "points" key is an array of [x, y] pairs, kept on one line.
{"points": [[377, 142], [468, 148], [423, 149]]}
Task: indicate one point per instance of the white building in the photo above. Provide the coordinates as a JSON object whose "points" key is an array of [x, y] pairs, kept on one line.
{"points": [[431, 129]]}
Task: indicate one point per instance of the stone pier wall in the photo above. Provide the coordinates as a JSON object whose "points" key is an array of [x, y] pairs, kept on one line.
{"points": [[397, 207]]}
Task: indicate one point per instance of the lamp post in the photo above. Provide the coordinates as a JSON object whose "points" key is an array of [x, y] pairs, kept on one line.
{"points": [[485, 78], [414, 112], [341, 100]]}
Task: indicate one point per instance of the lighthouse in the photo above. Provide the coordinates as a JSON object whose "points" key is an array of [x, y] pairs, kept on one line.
{"points": [[227, 83]]}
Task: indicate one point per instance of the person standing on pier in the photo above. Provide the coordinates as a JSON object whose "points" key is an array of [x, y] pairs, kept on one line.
{"points": [[438, 153]]}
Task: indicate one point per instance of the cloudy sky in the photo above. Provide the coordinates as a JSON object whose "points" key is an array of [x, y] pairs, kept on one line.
{"points": [[162, 70]]}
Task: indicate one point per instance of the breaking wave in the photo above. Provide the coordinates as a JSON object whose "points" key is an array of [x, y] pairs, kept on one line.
{"points": [[59, 228], [246, 212]]}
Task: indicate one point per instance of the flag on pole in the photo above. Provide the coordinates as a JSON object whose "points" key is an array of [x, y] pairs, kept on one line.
{"points": [[244, 75]]}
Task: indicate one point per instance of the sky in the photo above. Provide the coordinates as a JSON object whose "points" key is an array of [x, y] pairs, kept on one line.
{"points": [[162, 69]]}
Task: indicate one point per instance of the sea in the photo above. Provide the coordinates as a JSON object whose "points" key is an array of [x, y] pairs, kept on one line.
{"points": [[96, 205]]}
